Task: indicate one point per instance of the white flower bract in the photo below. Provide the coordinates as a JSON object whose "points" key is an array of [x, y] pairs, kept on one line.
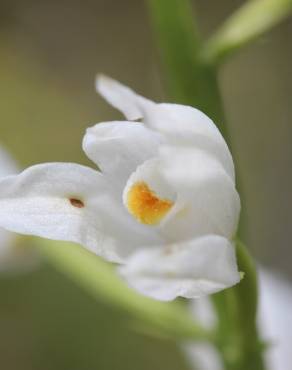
{"points": [[164, 204]]}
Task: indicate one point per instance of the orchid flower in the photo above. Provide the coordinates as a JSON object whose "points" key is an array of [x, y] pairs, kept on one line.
{"points": [[163, 205], [13, 258]]}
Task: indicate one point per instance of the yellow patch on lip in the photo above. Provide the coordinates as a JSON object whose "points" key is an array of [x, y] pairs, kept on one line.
{"points": [[145, 206]]}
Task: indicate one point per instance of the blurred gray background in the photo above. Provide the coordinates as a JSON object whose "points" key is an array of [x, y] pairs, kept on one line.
{"points": [[50, 52]]}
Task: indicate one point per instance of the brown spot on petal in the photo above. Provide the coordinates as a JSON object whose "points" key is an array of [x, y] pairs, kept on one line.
{"points": [[76, 202]]}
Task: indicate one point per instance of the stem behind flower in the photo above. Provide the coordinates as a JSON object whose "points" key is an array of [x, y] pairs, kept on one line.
{"points": [[192, 77], [101, 281]]}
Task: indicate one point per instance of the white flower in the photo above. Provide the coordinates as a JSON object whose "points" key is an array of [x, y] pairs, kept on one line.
{"points": [[164, 204], [13, 258], [274, 320]]}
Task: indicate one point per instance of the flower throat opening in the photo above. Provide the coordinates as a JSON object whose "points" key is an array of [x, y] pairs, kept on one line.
{"points": [[145, 205]]}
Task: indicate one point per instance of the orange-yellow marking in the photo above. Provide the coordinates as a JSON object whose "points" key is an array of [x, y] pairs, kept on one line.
{"points": [[145, 206]]}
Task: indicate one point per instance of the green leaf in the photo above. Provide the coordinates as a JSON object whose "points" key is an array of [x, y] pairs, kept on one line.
{"points": [[101, 281], [250, 21]]}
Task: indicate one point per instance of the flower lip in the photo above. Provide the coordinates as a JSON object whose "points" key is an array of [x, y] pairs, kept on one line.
{"points": [[147, 196], [145, 205]]}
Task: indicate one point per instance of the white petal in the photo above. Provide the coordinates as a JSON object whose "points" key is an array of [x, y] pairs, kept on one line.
{"points": [[37, 202], [121, 97], [192, 269], [184, 125], [180, 124], [207, 201], [150, 173], [119, 147]]}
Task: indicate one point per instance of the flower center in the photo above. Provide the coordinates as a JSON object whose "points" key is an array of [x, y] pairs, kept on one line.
{"points": [[145, 205]]}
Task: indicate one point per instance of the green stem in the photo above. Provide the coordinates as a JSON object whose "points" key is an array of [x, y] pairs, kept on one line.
{"points": [[237, 307], [101, 281], [189, 79], [193, 81], [246, 297]]}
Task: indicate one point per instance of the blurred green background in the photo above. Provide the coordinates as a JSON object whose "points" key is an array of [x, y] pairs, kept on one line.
{"points": [[50, 52]]}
